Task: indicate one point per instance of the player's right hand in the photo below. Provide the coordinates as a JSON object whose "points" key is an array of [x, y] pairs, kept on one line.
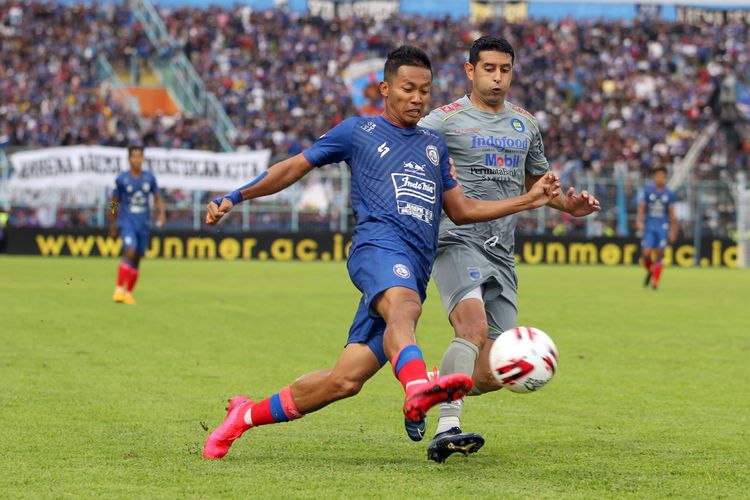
{"points": [[215, 213], [545, 190]]}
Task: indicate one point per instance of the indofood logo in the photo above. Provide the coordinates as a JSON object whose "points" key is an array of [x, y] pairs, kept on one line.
{"points": [[500, 143], [417, 187]]}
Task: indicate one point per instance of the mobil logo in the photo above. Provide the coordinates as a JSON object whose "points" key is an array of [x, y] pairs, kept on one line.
{"points": [[506, 161]]}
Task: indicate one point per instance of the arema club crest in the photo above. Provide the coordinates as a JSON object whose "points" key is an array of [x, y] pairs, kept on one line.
{"points": [[433, 155]]}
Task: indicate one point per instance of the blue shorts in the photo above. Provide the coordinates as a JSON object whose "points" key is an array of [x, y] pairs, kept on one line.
{"points": [[134, 236], [374, 270], [654, 237]]}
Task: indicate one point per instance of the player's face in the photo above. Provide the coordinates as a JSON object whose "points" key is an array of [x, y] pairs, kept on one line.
{"points": [[490, 78], [407, 95], [136, 159], [660, 178]]}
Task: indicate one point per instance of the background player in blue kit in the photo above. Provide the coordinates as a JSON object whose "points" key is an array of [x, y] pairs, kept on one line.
{"points": [[656, 208], [130, 215], [400, 182]]}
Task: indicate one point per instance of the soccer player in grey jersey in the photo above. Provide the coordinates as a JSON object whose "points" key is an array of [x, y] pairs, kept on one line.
{"points": [[498, 153]]}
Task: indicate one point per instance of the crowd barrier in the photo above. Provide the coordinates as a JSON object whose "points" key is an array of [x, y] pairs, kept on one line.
{"points": [[332, 246]]}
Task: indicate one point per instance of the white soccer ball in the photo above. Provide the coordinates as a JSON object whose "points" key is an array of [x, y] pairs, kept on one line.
{"points": [[523, 359]]}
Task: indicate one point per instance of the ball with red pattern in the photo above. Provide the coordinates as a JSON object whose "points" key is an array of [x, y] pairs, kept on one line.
{"points": [[523, 359]]}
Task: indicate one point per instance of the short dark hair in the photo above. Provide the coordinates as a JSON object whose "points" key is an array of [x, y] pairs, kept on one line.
{"points": [[406, 55], [658, 168], [493, 43], [134, 147]]}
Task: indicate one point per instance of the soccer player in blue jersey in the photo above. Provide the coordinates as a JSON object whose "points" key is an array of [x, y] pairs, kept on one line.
{"points": [[130, 215], [656, 223], [400, 181]]}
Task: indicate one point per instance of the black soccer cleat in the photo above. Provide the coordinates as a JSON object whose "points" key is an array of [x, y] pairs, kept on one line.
{"points": [[415, 430], [453, 441]]}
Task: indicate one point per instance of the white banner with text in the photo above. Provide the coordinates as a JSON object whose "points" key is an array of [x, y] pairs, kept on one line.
{"points": [[86, 167]]}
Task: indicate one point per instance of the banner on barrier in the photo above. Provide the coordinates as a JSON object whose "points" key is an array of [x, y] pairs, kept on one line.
{"points": [[72, 167], [335, 247]]}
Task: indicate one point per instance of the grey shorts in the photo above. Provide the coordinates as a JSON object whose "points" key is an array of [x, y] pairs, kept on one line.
{"points": [[462, 267]]}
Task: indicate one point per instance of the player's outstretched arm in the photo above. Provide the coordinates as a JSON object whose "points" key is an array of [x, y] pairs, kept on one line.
{"points": [[161, 215], [672, 224], [577, 205], [463, 210], [639, 225], [279, 176]]}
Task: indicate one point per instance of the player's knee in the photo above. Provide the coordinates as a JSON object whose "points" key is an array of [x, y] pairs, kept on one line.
{"points": [[474, 331], [407, 310]]}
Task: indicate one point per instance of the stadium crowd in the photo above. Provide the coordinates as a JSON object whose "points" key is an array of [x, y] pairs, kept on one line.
{"points": [[50, 87], [610, 96]]}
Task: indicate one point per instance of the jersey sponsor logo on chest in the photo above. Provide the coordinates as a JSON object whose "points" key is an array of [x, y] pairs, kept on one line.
{"points": [[413, 186], [501, 143]]}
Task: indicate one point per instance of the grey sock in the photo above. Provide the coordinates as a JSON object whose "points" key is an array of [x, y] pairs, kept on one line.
{"points": [[459, 358]]}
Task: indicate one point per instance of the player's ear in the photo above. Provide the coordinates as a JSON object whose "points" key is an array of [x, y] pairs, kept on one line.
{"points": [[383, 87], [469, 69]]}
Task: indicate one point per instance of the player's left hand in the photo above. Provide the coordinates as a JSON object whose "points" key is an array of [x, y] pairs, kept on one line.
{"points": [[579, 205], [672, 234], [161, 219], [454, 175]]}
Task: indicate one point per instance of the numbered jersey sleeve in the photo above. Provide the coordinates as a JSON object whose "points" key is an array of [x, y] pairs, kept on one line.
{"points": [[334, 146]]}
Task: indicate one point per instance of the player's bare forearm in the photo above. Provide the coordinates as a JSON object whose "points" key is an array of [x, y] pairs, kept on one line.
{"points": [[486, 210], [558, 203], [463, 210], [639, 216], [161, 215], [672, 225], [278, 177]]}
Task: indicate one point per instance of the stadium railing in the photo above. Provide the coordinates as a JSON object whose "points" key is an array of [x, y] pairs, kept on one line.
{"points": [[179, 75], [108, 74], [704, 209]]}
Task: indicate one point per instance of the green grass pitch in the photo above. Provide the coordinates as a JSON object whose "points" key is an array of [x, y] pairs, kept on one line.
{"points": [[651, 398]]}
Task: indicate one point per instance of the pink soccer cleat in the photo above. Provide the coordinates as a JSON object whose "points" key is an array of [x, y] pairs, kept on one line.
{"points": [[219, 441], [420, 398]]}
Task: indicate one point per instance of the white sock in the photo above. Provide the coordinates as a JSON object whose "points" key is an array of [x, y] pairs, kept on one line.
{"points": [[447, 423]]}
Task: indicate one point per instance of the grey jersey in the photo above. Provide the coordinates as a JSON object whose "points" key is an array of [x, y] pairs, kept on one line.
{"points": [[492, 152]]}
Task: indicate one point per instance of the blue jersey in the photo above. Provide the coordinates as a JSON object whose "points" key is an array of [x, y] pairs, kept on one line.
{"points": [[398, 179], [133, 193], [657, 203]]}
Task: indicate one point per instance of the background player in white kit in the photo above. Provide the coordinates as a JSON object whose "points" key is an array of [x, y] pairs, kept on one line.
{"points": [[498, 152]]}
